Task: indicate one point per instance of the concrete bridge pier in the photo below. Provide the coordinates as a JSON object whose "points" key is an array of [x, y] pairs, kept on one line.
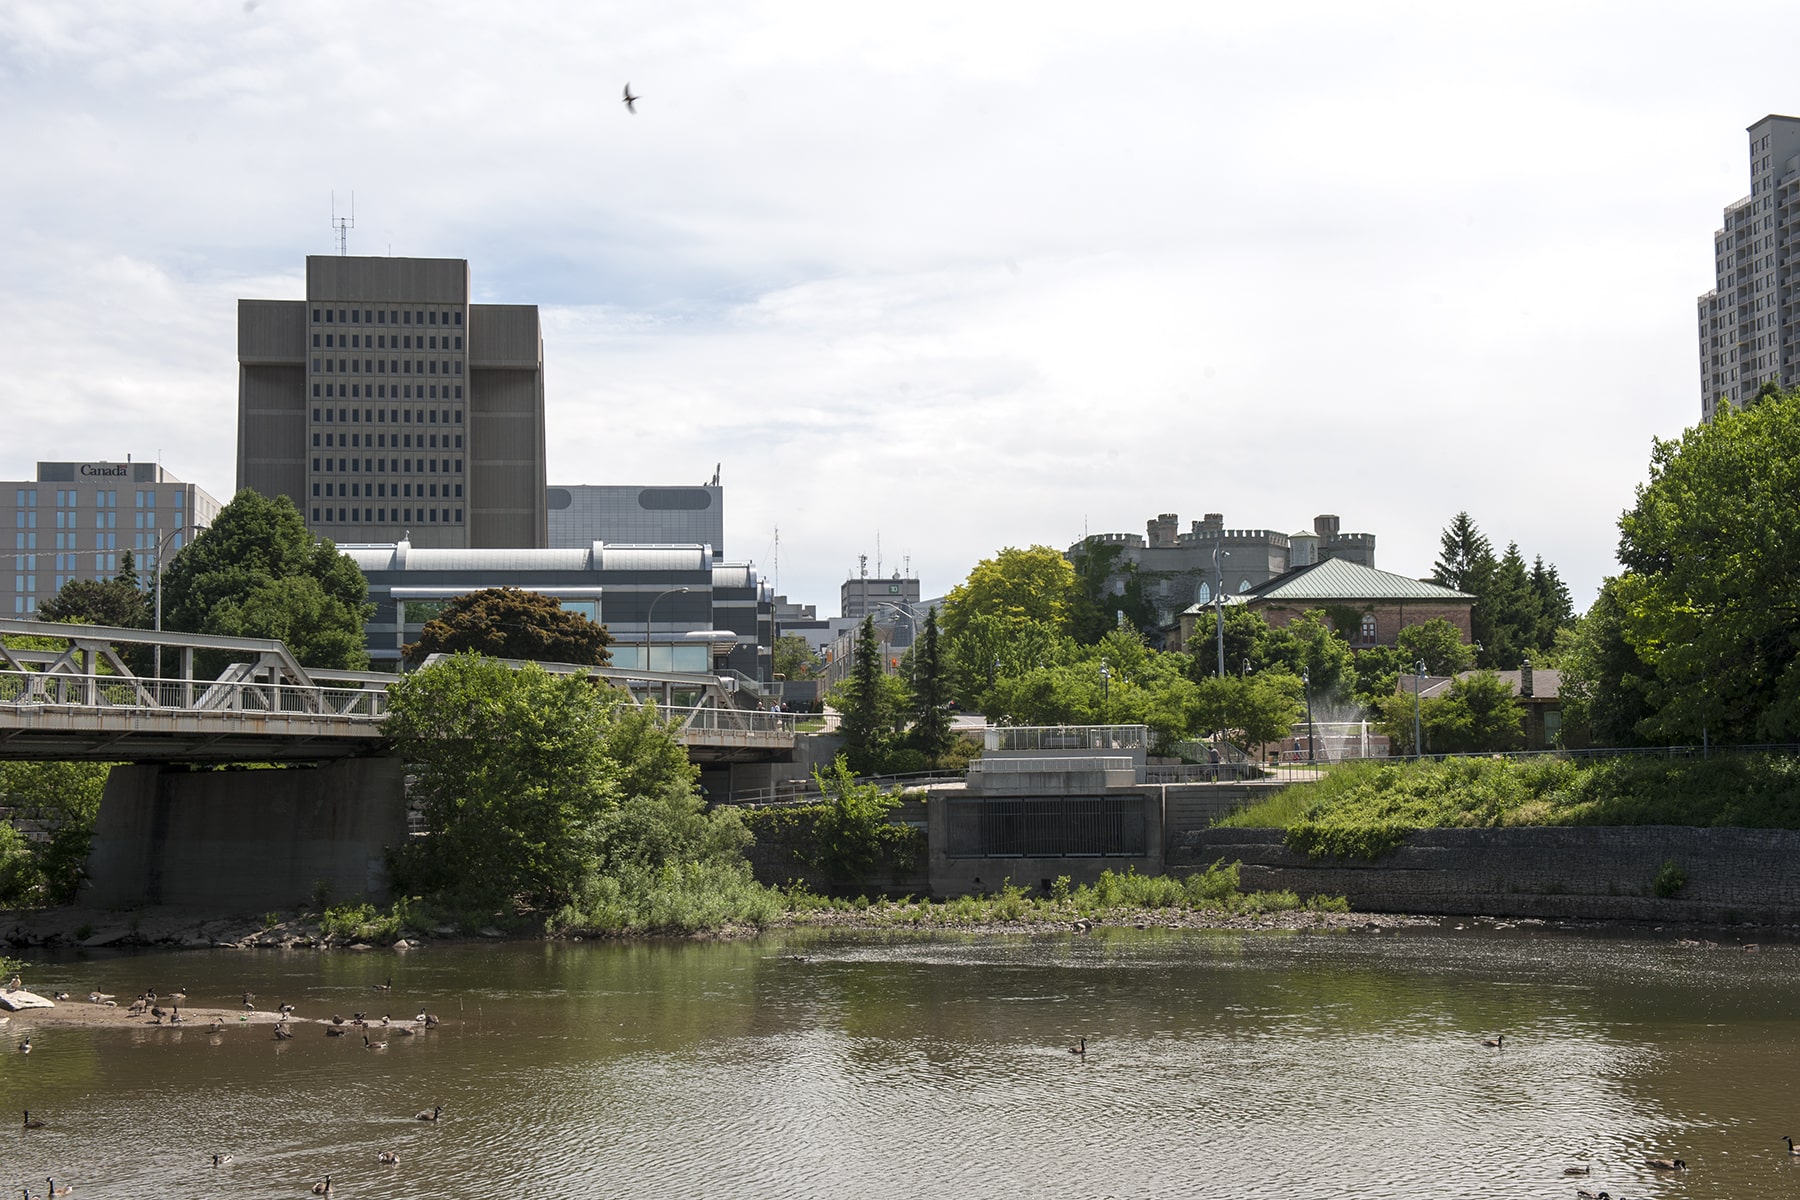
{"points": [[246, 840]]}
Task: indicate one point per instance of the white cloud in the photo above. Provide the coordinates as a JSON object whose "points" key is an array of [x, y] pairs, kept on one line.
{"points": [[966, 276]]}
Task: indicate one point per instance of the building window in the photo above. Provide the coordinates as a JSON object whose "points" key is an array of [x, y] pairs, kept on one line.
{"points": [[1368, 627]]}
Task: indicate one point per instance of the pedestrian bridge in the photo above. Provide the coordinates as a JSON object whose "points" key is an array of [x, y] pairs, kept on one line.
{"points": [[68, 692]]}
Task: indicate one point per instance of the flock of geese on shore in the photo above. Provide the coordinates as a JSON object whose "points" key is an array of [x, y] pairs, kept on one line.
{"points": [[150, 1004]]}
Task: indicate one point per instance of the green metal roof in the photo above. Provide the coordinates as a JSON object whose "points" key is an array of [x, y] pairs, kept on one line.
{"points": [[1339, 579]]}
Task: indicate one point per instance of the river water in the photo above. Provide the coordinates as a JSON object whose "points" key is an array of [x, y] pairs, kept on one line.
{"points": [[1266, 1064]]}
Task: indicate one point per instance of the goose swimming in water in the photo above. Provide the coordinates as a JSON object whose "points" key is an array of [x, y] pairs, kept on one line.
{"points": [[50, 1188], [1079, 1048], [222, 1160], [1665, 1164], [1790, 1142], [429, 1116], [31, 1124], [1578, 1170], [368, 1045], [1495, 1041], [323, 1187], [387, 1156]]}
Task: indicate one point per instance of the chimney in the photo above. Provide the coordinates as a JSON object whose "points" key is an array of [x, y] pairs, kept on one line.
{"points": [[1326, 526], [1525, 684]]}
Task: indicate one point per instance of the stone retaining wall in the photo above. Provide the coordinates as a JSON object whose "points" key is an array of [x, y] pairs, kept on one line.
{"points": [[1577, 873]]}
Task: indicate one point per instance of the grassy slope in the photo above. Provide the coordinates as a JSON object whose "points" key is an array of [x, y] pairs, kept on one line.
{"points": [[1363, 809]]}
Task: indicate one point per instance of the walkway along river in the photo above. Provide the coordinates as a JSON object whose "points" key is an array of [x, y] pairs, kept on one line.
{"points": [[1228, 1064]]}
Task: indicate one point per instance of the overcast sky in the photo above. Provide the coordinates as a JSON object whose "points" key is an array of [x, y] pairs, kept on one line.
{"points": [[952, 276]]}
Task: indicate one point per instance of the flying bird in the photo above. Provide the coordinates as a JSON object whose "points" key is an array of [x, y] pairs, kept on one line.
{"points": [[631, 100]]}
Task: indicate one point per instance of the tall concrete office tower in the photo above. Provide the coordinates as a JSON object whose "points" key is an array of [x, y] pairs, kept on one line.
{"points": [[1746, 335], [387, 406]]}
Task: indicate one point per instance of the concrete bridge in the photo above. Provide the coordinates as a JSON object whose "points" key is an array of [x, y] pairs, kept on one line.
{"points": [[84, 702]]}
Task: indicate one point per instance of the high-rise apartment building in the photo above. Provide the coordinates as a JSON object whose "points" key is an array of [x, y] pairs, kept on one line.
{"points": [[1747, 337], [77, 520], [388, 407]]}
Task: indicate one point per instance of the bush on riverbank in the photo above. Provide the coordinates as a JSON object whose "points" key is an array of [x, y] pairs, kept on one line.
{"points": [[1114, 894], [57, 802], [1363, 810]]}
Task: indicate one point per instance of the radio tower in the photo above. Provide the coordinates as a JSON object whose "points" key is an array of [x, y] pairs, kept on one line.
{"points": [[343, 225]]}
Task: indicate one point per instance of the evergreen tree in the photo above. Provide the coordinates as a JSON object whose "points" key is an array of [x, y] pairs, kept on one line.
{"points": [[1555, 609], [861, 723], [931, 718], [1510, 609], [1465, 557], [128, 572]]}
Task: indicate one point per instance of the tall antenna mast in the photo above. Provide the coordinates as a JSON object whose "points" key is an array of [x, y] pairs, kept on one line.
{"points": [[878, 554], [778, 560], [344, 225]]}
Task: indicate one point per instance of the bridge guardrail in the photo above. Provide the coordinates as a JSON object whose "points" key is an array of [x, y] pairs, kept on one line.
{"points": [[25, 688]]}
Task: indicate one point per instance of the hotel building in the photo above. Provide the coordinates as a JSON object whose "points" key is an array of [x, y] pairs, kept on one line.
{"points": [[77, 520]]}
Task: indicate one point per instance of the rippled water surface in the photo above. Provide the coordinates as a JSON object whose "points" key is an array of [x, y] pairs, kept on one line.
{"points": [[1218, 1064]]}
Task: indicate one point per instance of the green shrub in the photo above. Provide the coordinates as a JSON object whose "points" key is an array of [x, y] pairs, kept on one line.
{"points": [[1669, 880]]}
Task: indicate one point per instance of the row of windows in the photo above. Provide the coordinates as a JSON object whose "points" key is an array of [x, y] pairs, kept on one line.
{"points": [[103, 498], [358, 515], [384, 416], [389, 316], [405, 466], [24, 604], [355, 341], [380, 441], [102, 520], [25, 541], [387, 366], [379, 391], [361, 491]]}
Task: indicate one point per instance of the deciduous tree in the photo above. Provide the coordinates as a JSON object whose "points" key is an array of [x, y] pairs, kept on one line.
{"points": [[257, 572], [509, 622]]}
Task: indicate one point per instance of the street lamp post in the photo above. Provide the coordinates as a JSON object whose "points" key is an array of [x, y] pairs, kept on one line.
{"points": [[1105, 686], [649, 621], [1219, 602], [1306, 683], [160, 543], [1418, 687]]}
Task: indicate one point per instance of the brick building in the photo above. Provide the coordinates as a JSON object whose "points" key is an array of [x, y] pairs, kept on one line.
{"points": [[1365, 606]]}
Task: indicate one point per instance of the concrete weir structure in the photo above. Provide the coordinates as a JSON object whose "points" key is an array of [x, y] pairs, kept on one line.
{"points": [[246, 839]]}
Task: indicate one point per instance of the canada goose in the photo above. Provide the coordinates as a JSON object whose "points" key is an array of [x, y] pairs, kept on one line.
{"points": [[217, 1026], [1083, 926], [368, 1045], [387, 1156], [25, 1046], [249, 1002], [175, 1017], [405, 1030], [323, 1187], [1080, 1048], [31, 1124], [178, 997], [157, 1012], [429, 1116], [336, 1019], [335, 1031], [386, 1020], [137, 1007], [1578, 1170], [1584, 1194], [1790, 1142], [222, 1160], [1665, 1164], [15, 984], [386, 987], [50, 1188], [282, 1032], [99, 997], [1494, 1041], [286, 1010], [59, 995], [428, 1020]]}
